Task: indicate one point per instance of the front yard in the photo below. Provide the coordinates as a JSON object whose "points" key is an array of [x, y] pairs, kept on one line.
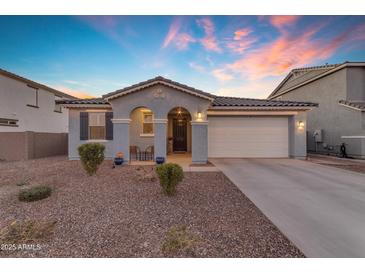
{"points": [[122, 212]]}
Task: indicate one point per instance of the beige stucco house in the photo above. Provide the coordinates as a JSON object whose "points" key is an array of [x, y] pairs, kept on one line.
{"points": [[339, 90], [31, 124], [167, 117]]}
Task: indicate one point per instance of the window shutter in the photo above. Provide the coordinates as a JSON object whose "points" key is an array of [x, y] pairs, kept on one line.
{"points": [[84, 125], [109, 125]]}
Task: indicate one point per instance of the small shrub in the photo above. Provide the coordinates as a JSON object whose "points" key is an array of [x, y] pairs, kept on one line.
{"points": [[178, 242], [170, 175], [91, 155], [35, 193], [26, 231]]}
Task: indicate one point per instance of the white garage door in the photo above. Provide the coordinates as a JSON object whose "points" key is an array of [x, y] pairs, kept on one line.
{"points": [[261, 137]]}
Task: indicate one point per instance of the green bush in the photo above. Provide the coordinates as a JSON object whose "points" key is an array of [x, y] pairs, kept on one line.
{"points": [[34, 194], [91, 155], [179, 241], [170, 175]]}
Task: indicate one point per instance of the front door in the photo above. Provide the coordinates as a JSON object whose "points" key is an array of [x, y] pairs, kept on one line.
{"points": [[179, 134]]}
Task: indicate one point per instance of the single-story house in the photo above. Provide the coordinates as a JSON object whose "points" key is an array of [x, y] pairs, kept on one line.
{"points": [[31, 124], [175, 118], [339, 89]]}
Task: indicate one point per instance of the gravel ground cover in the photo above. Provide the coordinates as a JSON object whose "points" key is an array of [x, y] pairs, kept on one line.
{"points": [[122, 212], [348, 164]]}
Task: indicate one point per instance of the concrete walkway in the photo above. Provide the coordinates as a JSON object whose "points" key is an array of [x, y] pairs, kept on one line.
{"points": [[320, 209], [184, 160]]}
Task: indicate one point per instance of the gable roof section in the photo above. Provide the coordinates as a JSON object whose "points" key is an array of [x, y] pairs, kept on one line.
{"points": [[159, 80], [302, 76], [358, 105], [35, 84]]}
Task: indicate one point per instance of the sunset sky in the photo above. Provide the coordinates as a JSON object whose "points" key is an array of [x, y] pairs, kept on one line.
{"points": [[244, 56]]}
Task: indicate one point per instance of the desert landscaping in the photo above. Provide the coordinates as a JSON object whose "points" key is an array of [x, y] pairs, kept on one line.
{"points": [[122, 212]]}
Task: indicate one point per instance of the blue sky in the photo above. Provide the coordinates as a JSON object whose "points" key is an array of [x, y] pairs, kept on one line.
{"points": [[243, 56]]}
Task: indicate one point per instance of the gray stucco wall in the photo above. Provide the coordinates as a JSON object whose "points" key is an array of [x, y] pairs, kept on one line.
{"points": [[355, 83], [161, 105], [297, 136], [74, 136], [199, 142], [335, 120]]}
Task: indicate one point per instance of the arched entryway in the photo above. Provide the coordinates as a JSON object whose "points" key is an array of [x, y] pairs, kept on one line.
{"points": [[141, 135], [179, 134]]}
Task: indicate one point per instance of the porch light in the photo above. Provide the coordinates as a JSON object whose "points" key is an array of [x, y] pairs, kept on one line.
{"points": [[199, 115], [300, 125]]}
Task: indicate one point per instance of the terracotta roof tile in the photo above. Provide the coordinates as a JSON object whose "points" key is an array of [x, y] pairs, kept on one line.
{"points": [[247, 102]]}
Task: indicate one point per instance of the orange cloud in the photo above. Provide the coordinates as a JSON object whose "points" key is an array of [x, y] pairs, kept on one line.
{"points": [[209, 42], [238, 34], [183, 40], [77, 93], [290, 51], [173, 31], [282, 21], [242, 41]]}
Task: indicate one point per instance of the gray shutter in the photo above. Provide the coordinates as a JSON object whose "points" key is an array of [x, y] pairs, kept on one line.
{"points": [[84, 125], [109, 125]]}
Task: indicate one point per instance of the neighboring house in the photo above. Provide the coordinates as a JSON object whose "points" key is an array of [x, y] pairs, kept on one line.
{"points": [[340, 92], [175, 118], [31, 124]]}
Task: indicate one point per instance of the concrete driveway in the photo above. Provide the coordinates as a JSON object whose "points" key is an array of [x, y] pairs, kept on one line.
{"points": [[320, 209]]}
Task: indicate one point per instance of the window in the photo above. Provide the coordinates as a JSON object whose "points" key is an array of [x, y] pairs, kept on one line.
{"points": [[97, 125], [147, 125], [34, 98], [57, 108], [8, 122]]}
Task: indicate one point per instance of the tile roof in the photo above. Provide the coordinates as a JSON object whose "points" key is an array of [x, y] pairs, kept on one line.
{"points": [[360, 105], [91, 101], [160, 80], [220, 101], [35, 84]]}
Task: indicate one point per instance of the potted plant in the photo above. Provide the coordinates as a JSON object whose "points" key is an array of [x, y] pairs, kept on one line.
{"points": [[160, 160], [118, 160]]}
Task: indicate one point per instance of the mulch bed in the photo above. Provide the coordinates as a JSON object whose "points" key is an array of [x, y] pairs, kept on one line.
{"points": [[122, 212]]}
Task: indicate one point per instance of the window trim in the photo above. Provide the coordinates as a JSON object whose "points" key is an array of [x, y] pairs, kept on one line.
{"points": [[55, 105], [36, 97], [9, 120], [142, 134], [89, 126]]}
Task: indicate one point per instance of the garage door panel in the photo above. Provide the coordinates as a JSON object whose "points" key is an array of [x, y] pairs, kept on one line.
{"points": [[248, 137]]}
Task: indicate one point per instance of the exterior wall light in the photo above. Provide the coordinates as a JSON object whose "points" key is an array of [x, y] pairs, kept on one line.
{"points": [[199, 116], [300, 125]]}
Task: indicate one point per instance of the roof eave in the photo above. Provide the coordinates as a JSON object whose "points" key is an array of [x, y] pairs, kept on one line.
{"points": [[125, 92], [234, 108], [35, 84], [273, 95], [91, 106], [351, 107]]}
